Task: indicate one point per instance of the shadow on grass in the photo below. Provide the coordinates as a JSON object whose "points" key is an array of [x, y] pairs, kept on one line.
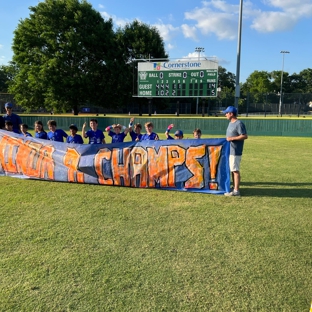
{"points": [[272, 189]]}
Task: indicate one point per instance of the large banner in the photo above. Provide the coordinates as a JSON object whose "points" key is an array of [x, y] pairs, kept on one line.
{"points": [[182, 165]]}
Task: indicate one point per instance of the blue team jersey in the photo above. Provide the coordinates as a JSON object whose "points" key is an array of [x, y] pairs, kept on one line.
{"points": [[117, 138], [16, 121], [58, 135], [74, 139], [27, 134], [95, 137], [170, 137], [151, 136], [41, 135], [135, 136]]}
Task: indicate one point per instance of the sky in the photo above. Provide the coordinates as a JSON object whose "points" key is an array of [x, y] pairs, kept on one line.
{"points": [[268, 27]]}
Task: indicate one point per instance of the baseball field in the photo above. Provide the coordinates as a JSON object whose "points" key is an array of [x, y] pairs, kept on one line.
{"points": [[79, 247]]}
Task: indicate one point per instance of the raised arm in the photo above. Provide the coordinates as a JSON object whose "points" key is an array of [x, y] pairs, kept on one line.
{"points": [[83, 131], [168, 130], [110, 128], [131, 124]]}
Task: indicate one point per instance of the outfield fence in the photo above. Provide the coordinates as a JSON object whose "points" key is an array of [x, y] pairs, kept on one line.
{"points": [[301, 127]]}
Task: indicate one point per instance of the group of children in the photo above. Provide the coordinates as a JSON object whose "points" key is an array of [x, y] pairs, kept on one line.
{"points": [[96, 136]]}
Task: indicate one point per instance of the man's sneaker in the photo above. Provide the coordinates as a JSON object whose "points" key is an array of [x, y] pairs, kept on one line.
{"points": [[233, 193]]}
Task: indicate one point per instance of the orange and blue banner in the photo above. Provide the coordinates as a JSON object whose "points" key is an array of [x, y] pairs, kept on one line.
{"points": [[181, 165]]}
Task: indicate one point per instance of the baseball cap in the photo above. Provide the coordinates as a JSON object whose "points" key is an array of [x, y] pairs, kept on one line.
{"points": [[72, 126], [230, 109], [9, 105], [178, 133]]}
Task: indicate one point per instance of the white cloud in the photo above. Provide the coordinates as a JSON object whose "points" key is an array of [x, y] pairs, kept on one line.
{"points": [[272, 21], [166, 31], [216, 17], [101, 6], [170, 46], [2, 59], [221, 18], [285, 16], [117, 21], [189, 31]]}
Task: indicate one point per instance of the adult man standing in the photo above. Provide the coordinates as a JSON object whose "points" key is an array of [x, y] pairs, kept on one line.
{"points": [[236, 134], [14, 118]]}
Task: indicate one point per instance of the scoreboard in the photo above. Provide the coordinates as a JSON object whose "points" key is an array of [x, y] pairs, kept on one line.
{"points": [[178, 79]]}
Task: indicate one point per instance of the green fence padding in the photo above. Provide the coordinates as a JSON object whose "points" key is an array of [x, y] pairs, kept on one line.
{"points": [[208, 125]]}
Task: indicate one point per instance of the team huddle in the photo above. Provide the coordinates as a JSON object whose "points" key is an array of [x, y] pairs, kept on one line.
{"points": [[95, 135], [236, 134], [12, 122]]}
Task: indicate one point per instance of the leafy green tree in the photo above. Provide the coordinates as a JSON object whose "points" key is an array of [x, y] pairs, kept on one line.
{"points": [[136, 41], [6, 75], [226, 79], [288, 85], [3, 80], [306, 75], [258, 82], [62, 53]]}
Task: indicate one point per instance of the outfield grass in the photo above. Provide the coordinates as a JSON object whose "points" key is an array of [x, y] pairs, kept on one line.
{"points": [[70, 247]]}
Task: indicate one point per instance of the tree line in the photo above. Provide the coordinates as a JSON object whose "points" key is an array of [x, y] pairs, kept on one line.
{"points": [[65, 55]]}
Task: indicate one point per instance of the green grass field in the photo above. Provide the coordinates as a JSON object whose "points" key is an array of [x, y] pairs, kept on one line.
{"points": [[73, 247]]}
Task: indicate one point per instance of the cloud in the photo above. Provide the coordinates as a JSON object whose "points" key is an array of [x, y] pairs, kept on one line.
{"points": [[215, 17], [170, 46], [2, 59], [286, 14], [189, 31], [272, 22], [166, 31], [117, 21], [219, 18]]}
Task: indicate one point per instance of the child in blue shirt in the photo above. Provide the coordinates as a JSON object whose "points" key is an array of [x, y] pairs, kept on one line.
{"points": [[95, 135], [178, 135], [24, 130], [149, 135], [54, 134], [117, 135], [74, 137], [135, 130], [40, 132]]}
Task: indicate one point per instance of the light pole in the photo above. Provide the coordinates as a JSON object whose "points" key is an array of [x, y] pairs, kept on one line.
{"points": [[281, 92], [198, 49], [239, 39]]}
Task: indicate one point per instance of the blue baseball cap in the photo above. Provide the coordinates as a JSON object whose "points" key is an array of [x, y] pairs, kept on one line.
{"points": [[9, 105], [230, 109], [178, 133]]}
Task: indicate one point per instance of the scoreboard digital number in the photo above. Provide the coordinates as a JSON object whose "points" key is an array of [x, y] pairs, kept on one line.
{"points": [[178, 79]]}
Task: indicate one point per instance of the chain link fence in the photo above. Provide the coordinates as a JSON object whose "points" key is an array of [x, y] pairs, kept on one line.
{"points": [[251, 104]]}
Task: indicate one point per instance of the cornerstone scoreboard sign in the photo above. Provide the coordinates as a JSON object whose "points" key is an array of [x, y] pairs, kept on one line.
{"points": [[178, 79]]}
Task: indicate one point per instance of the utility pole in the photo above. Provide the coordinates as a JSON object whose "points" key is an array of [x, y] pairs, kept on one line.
{"points": [[237, 86], [281, 92]]}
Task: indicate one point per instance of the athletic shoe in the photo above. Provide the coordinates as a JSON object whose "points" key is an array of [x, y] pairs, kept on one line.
{"points": [[233, 193]]}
